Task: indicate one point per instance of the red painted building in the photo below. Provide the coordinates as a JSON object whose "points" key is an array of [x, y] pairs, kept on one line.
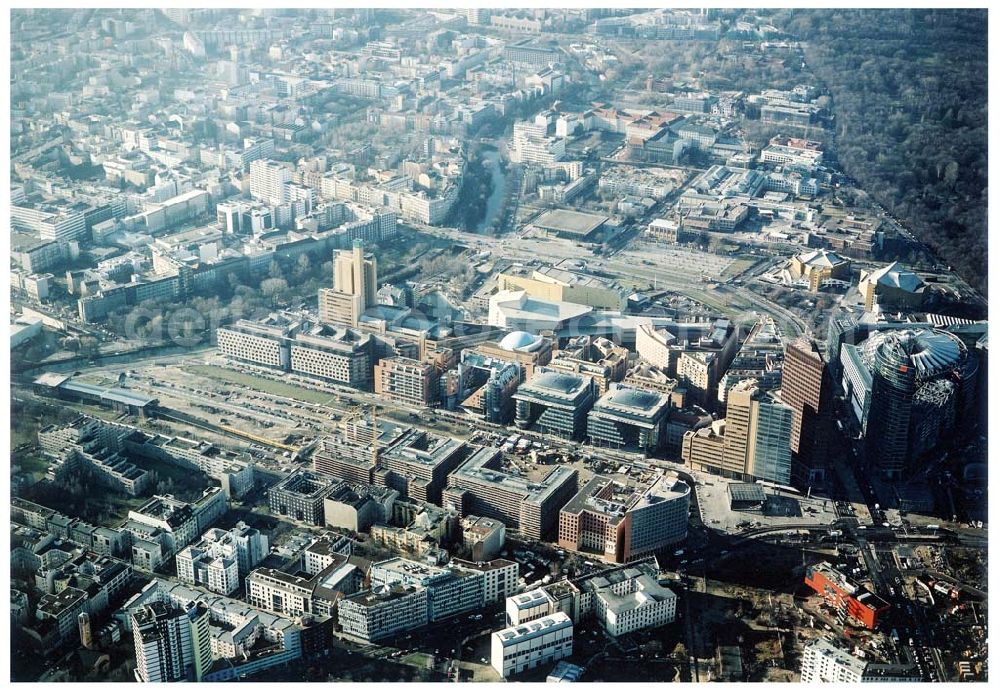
{"points": [[849, 599]]}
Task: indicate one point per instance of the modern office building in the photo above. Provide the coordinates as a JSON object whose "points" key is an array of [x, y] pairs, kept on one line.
{"points": [[451, 589], [339, 355], [417, 464], [752, 442], [771, 434], [625, 522], [407, 381], [807, 388], [627, 417], [486, 386], [351, 452], [332, 353], [526, 646], [848, 599], [528, 606], [483, 486], [499, 576], [761, 357], [49, 221], [555, 403], [355, 287], [253, 342], [489, 374], [300, 496], [376, 614]]}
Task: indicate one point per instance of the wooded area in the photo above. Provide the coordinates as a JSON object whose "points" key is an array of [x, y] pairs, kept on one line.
{"points": [[909, 92]]}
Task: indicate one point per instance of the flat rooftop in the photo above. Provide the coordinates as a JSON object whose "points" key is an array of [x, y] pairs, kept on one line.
{"points": [[605, 495], [569, 222], [483, 467], [533, 629], [109, 394]]}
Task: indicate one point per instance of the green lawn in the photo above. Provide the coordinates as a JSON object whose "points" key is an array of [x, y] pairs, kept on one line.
{"points": [[418, 660], [260, 384], [31, 462], [738, 265], [187, 478]]}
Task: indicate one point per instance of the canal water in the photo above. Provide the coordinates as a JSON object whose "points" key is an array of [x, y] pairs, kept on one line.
{"points": [[491, 159]]}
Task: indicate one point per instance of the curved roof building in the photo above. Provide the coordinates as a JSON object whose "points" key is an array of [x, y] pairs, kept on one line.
{"points": [[629, 417], [555, 402], [521, 341], [891, 286], [931, 352]]}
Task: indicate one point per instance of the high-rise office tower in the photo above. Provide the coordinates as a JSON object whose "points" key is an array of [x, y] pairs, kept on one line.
{"points": [[894, 381], [752, 442], [771, 428], [355, 285], [807, 388]]}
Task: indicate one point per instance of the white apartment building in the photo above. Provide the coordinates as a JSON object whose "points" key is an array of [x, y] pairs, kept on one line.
{"points": [[528, 149], [528, 606], [50, 222], [216, 573], [417, 206], [500, 577], [519, 648], [635, 604], [269, 182], [277, 591], [251, 342], [824, 662], [222, 558], [654, 345], [323, 552]]}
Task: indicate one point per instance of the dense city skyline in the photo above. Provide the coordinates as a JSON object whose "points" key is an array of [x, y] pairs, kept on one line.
{"points": [[479, 345]]}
